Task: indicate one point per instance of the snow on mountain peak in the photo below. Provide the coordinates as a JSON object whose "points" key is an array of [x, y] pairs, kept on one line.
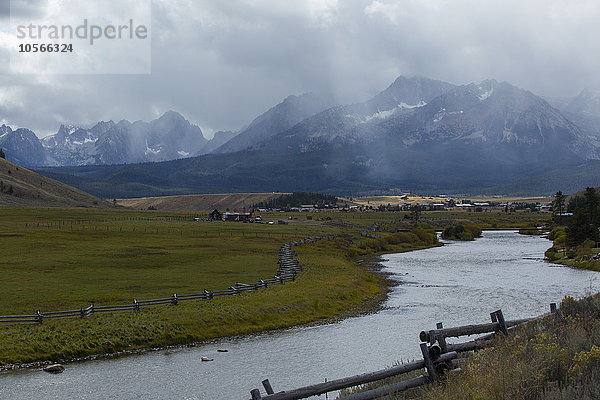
{"points": [[484, 94], [388, 113]]}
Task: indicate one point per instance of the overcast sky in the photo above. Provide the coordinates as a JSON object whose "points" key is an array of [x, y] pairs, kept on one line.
{"points": [[221, 63]]}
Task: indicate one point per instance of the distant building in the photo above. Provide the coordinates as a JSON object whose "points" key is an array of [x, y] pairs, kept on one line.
{"points": [[438, 206], [237, 216], [215, 215]]}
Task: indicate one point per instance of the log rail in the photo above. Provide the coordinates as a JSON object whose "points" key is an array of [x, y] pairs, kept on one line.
{"points": [[439, 357]]}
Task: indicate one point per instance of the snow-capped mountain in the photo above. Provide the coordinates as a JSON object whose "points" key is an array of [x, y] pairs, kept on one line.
{"points": [[167, 138], [494, 113], [584, 111], [418, 132], [23, 147], [218, 140], [586, 102], [490, 112], [284, 115], [74, 145], [354, 123]]}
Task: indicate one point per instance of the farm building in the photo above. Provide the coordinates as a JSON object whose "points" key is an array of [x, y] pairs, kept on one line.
{"points": [[215, 215], [237, 216]]}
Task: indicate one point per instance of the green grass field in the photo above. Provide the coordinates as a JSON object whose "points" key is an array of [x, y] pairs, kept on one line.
{"points": [[60, 259]]}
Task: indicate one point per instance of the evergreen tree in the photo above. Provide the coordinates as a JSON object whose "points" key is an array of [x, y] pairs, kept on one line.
{"points": [[592, 202], [579, 229], [416, 213], [558, 205]]}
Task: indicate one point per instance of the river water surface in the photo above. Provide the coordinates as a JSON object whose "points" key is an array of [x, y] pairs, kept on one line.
{"points": [[459, 283]]}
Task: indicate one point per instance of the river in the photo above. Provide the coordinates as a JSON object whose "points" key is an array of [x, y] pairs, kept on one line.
{"points": [[459, 283]]}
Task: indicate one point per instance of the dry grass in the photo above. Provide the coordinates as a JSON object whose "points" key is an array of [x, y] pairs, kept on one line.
{"points": [[200, 202], [22, 187], [555, 358]]}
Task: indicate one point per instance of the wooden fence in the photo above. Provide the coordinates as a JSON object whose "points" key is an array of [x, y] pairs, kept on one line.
{"points": [[439, 357], [289, 267]]}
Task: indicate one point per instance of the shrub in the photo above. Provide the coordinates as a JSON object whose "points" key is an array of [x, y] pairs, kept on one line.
{"points": [[551, 254], [378, 244], [402, 237], [556, 232], [426, 236], [474, 229], [460, 232]]}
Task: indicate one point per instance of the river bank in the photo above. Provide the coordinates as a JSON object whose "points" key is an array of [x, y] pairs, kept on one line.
{"points": [[431, 288], [333, 286], [371, 263]]}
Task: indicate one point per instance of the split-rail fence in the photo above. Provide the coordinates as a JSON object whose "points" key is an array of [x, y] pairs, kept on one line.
{"points": [[439, 358], [289, 267]]}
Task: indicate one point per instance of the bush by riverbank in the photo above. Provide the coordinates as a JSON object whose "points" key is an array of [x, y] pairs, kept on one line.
{"points": [[584, 256], [461, 232], [531, 231]]}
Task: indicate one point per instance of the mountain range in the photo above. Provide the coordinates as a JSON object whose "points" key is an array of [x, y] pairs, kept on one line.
{"points": [[169, 137], [417, 134]]}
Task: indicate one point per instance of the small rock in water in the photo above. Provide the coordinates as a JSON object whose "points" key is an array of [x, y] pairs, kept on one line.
{"points": [[207, 359], [222, 350], [54, 368]]}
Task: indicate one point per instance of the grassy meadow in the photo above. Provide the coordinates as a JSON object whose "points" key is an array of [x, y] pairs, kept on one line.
{"points": [[60, 259]]}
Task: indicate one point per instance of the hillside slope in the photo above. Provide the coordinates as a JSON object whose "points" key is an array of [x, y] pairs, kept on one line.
{"points": [[201, 202], [22, 187]]}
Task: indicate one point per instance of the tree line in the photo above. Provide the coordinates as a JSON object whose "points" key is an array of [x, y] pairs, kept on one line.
{"points": [[297, 199], [583, 213]]}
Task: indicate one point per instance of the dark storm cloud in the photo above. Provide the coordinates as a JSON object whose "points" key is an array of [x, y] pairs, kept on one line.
{"points": [[23, 8], [220, 63], [4, 10]]}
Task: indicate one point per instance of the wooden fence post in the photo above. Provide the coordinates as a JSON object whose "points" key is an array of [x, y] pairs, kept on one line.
{"points": [[441, 340], [501, 321], [428, 363], [268, 387], [552, 308], [39, 317], [136, 305], [431, 337], [174, 300]]}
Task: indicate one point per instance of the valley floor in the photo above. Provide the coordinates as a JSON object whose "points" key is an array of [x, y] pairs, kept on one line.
{"points": [[64, 259]]}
